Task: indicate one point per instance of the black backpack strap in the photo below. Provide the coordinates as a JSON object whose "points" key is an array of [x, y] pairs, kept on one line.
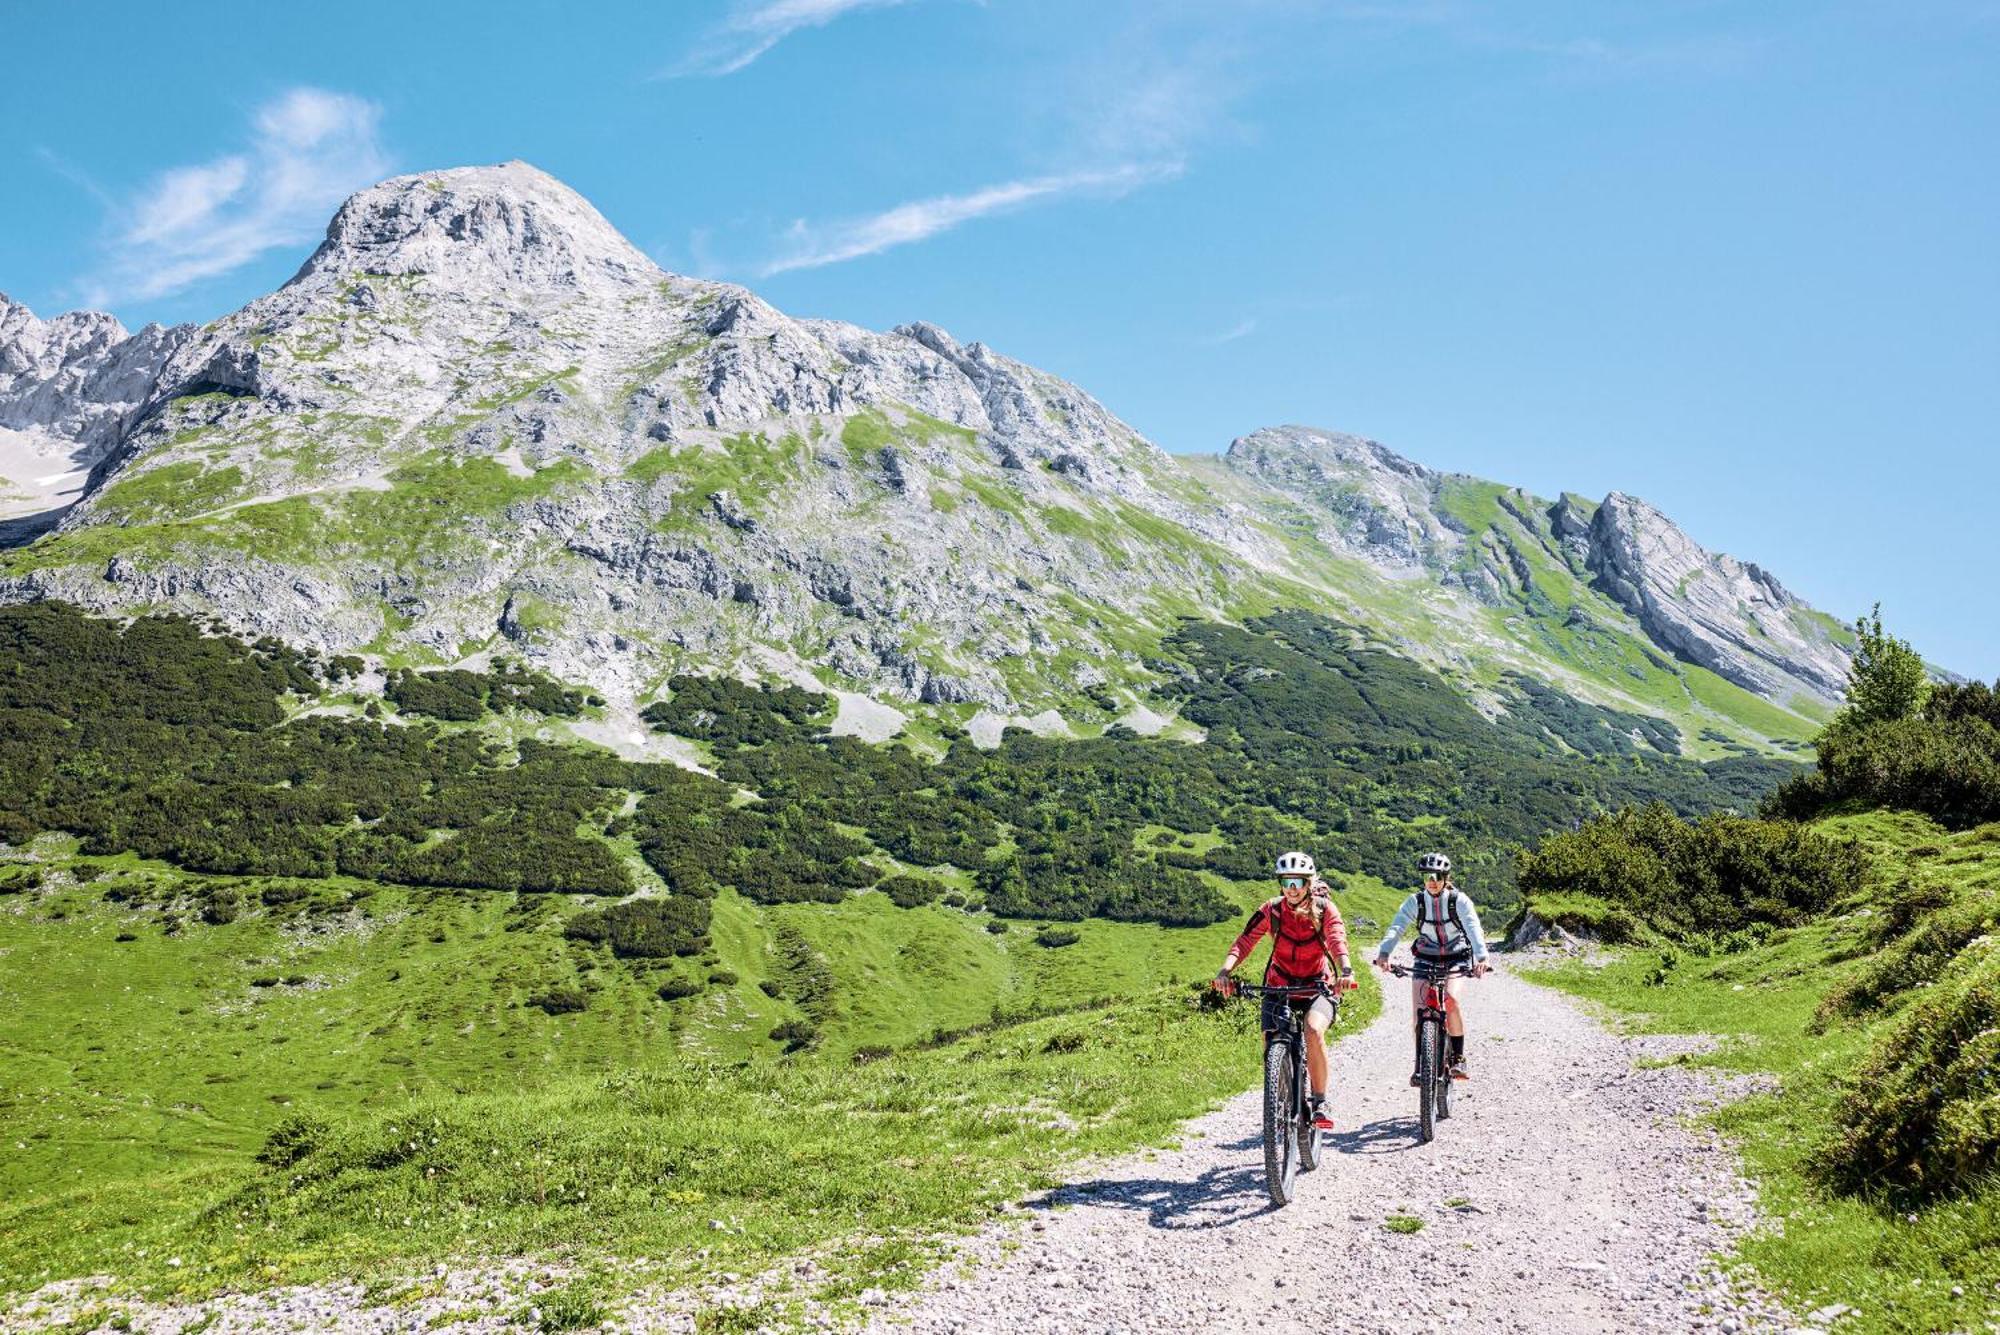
{"points": [[1451, 906]]}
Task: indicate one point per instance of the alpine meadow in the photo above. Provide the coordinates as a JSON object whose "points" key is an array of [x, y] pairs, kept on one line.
{"points": [[539, 792]]}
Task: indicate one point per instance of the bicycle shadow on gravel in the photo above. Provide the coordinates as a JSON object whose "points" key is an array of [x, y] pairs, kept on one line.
{"points": [[1392, 1135], [1217, 1198]]}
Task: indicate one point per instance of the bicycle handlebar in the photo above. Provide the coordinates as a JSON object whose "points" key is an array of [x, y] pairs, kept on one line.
{"points": [[1432, 971], [1299, 989]]}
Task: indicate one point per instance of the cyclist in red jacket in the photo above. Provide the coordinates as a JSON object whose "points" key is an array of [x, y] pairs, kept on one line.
{"points": [[1308, 942]]}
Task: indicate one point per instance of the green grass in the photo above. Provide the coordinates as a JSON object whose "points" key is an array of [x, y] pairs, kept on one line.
{"points": [[865, 433], [1733, 702], [1896, 1263], [176, 490], [448, 1119]]}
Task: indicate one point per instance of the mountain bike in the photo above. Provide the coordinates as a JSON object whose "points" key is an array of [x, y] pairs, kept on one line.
{"points": [[1291, 1141], [1433, 1067]]}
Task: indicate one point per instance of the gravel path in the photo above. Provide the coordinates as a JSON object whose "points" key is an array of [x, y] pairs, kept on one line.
{"points": [[1564, 1194]]}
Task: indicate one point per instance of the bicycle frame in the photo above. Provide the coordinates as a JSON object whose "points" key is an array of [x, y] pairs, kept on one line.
{"points": [[1291, 1141], [1433, 1079]]}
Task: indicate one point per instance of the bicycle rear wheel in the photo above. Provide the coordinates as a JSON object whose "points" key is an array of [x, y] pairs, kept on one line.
{"points": [[1280, 1128], [1443, 1075], [1302, 1111], [1427, 1052]]}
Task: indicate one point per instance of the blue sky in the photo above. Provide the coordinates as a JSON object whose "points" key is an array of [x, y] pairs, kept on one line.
{"points": [[1740, 259]]}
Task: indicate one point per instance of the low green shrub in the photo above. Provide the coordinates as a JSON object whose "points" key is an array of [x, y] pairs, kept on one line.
{"points": [[1922, 1116], [221, 905], [291, 1140], [910, 891], [1056, 937], [1921, 957], [676, 988], [1944, 762], [560, 1000], [646, 928], [795, 1034], [1709, 877]]}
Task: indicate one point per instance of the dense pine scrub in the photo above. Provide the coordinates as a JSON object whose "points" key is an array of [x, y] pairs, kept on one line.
{"points": [[1942, 759], [1644, 870], [1312, 739], [467, 697], [163, 741]]}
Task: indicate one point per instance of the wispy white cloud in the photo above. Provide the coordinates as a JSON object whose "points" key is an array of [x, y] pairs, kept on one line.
{"points": [[75, 175], [757, 27], [1241, 329], [308, 150], [813, 245]]}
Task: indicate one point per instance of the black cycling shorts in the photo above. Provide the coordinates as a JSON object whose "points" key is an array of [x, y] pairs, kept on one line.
{"points": [[1300, 1005], [1450, 961]]}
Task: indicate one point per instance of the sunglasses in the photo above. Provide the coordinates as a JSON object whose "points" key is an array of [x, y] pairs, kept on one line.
{"points": [[1292, 882]]}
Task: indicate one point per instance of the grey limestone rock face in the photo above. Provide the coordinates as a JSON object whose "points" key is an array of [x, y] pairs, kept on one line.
{"points": [[77, 380], [1729, 616], [1381, 507]]}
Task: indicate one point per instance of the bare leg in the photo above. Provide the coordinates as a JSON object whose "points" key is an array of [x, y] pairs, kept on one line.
{"points": [[1316, 1053]]}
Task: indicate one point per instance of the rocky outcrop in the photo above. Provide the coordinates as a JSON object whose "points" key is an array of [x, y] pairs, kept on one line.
{"points": [[78, 380], [1378, 505], [1729, 616]]}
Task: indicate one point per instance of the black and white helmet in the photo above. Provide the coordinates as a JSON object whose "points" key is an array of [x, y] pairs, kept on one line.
{"points": [[1295, 864], [1434, 863]]}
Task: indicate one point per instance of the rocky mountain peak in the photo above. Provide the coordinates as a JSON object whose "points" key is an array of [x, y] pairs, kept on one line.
{"points": [[511, 224], [1310, 451], [1381, 506], [479, 411]]}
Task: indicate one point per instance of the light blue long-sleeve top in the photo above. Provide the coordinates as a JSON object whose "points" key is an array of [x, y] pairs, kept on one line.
{"points": [[1473, 938]]}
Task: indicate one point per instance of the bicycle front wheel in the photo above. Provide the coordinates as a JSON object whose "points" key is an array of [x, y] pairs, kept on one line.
{"points": [[1280, 1151], [1427, 1054]]}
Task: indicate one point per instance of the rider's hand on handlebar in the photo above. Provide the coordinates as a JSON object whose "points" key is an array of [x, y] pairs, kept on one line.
{"points": [[1382, 963], [1224, 983], [1481, 969]]}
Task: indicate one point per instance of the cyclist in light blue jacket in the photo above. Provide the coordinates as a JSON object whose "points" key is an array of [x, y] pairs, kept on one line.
{"points": [[1448, 934]]}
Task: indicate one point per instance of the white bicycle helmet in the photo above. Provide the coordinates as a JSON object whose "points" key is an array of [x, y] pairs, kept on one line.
{"points": [[1295, 864], [1434, 862]]}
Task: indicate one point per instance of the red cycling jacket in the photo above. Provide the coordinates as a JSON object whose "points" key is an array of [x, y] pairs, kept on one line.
{"points": [[1300, 952]]}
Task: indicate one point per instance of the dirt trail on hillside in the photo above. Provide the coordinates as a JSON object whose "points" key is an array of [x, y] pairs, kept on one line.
{"points": [[1564, 1194]]}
